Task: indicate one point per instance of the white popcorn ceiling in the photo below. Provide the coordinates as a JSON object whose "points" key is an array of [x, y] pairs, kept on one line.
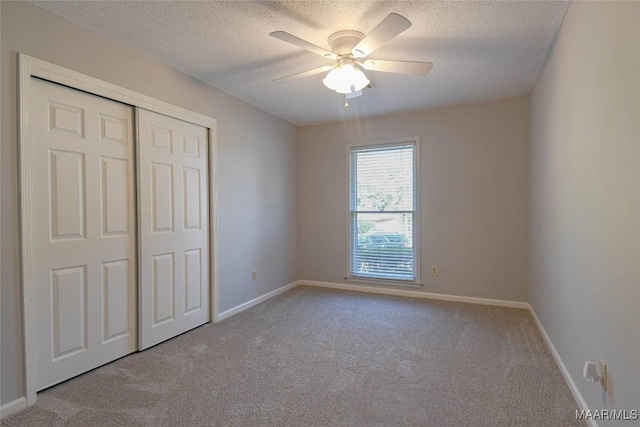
{"points": [[481, 51]]}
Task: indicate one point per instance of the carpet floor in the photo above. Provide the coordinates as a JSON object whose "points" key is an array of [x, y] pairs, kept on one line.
{"points": [[319, 357]]}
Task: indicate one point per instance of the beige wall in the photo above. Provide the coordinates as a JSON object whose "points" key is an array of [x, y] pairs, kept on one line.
{"points": [[256, 165], [473, 187], [585, 216]]}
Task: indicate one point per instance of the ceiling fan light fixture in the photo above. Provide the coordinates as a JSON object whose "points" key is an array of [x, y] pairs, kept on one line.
{"points": [[346, 79]]}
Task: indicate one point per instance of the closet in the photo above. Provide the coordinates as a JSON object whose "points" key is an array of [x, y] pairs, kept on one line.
{"points": [[119, 229]]}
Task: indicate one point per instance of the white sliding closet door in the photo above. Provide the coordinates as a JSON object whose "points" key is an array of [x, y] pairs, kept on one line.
{"points": [[174, 229], [83, 231]]}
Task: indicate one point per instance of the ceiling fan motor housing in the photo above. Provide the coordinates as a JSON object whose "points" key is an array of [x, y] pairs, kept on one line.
{"points": [[342, 42]]}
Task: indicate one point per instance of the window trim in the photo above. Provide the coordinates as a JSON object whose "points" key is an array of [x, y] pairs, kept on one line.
{"points": [[403, 141]]}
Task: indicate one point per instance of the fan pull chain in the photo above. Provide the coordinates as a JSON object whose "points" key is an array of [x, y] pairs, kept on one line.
{"points": [[346, 101]]}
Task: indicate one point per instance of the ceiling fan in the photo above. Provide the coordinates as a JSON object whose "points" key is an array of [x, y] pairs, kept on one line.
{"points": [[349, 49]]}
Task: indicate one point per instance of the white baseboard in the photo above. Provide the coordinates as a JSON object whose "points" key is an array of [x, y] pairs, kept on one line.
{"points": [[415, 294], [13, 407], [565, 372], [255, 301]]}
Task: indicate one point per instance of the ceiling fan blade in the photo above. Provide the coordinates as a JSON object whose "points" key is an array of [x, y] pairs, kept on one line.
{"points": [[304, 74], [390, 27], [399, 67], [297, 41]]}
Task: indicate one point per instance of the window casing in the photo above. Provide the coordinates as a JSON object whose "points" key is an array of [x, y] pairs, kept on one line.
{"points": [[384, 212]]}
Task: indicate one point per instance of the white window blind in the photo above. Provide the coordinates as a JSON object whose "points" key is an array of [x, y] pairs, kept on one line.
{"points": [[383, 211]]}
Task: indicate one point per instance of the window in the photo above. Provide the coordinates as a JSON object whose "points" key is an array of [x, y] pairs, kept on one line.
{"points": [[383, 212]]}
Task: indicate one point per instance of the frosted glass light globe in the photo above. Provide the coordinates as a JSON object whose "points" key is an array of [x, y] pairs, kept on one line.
{"points": [[346, 79]]}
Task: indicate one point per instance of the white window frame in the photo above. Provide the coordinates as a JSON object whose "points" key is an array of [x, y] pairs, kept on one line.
{"points": [[416, 283]]}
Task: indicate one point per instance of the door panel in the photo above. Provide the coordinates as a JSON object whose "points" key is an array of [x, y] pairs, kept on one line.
{"points": [[67, 195], [115, 196], [192, 198], [113, 129], [115, 288], [174, 242], [69, 320], [66, 119], [192, 280], [163, 288], [84, 248], [162, 194]]}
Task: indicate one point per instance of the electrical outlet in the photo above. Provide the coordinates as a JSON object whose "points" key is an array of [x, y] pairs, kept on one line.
{"points": [[434, 270], [603, 374], [254, 275]]}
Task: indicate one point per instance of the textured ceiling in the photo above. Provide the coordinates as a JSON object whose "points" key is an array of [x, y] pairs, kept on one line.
{"points": [[480, 50]]}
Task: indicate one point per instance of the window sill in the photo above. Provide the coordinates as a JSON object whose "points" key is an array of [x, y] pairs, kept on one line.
{"points": [[384, 282]]}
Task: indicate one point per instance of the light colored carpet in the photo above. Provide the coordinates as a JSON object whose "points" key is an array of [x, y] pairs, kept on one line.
{"points": [[318, 357]]}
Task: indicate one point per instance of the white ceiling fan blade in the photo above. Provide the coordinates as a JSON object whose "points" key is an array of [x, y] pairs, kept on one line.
{"points": [[390, 27], [304, 74], [297, 41], [399, 67]]}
